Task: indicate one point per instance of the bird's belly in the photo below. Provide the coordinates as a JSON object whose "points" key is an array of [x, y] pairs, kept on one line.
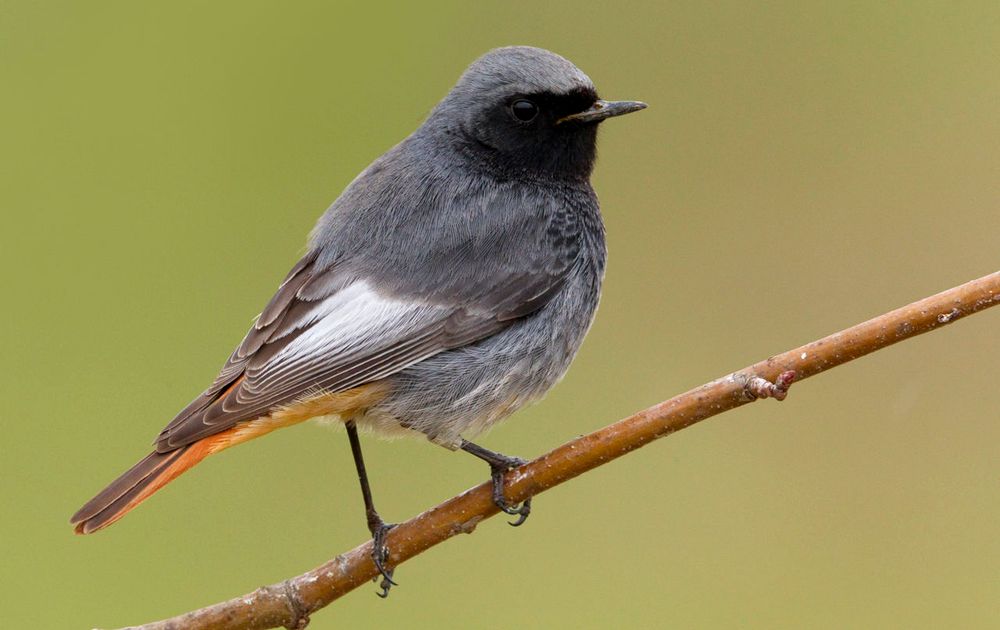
{"points": [[462, 392], [452, 397]]}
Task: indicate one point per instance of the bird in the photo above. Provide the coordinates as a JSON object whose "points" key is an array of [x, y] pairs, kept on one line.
{"points": [[450, 284]]}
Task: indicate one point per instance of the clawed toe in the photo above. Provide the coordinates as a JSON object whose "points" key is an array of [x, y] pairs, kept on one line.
{"points": [[496, 474], [522, 511], [380, 554], [500, 464]]}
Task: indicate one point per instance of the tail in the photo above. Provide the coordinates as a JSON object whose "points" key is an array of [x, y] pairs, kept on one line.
{"points": [[136, 485], [139, 482]]}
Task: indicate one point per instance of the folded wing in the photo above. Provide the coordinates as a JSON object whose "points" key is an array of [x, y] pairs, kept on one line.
{"points": [[326, 330]]}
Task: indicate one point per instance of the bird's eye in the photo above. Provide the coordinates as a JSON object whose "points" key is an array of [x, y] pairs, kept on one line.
{"points": [[524, 110]]}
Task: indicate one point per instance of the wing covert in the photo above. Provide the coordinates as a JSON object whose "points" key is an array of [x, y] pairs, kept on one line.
{"points": [[329, 330]]}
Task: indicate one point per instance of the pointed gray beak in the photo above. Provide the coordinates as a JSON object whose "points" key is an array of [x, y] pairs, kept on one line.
{"points": [[603, 109]]}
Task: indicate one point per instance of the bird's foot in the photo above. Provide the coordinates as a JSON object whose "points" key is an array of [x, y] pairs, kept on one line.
{"points": [[497, 470], [500, 464], [380, 555]]}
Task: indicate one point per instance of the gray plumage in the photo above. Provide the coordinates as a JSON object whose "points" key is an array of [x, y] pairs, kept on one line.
{"points": [[462, 269], [502, 256]]}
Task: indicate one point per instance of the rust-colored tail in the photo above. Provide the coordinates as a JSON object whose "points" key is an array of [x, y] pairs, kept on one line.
{"points": [[135, 486], [158, 469]]}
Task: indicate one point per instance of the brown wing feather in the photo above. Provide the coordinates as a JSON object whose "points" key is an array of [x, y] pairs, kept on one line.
{"points": [[259, 378], [252, 343]]}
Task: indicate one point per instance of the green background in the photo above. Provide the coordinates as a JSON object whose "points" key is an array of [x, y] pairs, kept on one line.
{"points": [[801, 167]]}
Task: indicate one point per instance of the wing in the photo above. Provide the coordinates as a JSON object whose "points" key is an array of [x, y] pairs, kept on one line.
{"points": [[328, 329]]}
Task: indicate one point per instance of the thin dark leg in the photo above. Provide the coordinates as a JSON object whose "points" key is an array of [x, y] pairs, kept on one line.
{"points": [[377, 527], [499, 464]]}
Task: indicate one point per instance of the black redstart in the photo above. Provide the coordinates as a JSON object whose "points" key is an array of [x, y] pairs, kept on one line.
{"points": [[450, 284]]}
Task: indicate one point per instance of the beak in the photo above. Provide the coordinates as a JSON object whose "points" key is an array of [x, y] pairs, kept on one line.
{"points": [[603, 109]]}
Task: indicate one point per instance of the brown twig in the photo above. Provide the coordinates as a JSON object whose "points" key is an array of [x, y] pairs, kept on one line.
{"points": [[290, 603]]}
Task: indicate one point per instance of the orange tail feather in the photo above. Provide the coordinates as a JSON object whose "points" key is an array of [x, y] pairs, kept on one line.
{"points": [[135, 486], [158, 469]]}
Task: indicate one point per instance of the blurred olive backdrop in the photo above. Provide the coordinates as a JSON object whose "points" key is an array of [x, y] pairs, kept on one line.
{"points": [[801, 167]]}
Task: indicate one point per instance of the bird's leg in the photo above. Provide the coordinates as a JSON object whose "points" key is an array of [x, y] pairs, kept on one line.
{"points": [[499, 464], [377, 527]]}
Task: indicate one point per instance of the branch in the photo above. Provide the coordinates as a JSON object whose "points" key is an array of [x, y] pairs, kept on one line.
{"points": [[290, 603]]}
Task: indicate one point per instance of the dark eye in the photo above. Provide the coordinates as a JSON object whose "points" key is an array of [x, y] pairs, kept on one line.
{"points": [[524, 110]]}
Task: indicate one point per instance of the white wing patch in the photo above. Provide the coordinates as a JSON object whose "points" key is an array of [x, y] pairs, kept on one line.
{"points": [[357, 318], [354, 328]]}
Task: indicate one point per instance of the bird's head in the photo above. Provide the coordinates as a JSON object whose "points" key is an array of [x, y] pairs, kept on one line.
{"points": [[527, 110]]}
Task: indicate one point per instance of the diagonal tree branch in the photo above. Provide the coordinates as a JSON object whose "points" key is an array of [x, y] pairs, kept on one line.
{"points": [[290, 603]]}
